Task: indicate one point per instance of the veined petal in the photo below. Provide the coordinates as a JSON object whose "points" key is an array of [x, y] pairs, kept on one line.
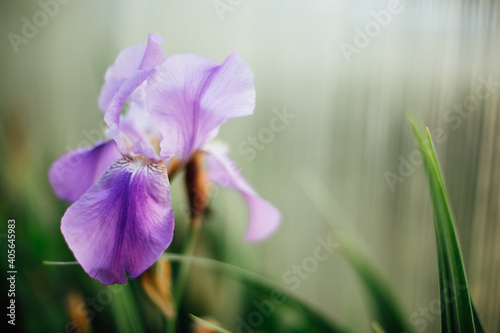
{"points": [[125, 80], [264, 218], [189, 96], [136, 129], [154, 55], [127, 63], [112, 116], [75, 172], [122, 225]]}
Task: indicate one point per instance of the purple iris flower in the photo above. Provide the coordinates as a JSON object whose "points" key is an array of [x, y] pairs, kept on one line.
{"points": [[160, 111]]}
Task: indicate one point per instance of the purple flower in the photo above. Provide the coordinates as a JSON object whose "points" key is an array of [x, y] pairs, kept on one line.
{"points": [[121, 219]]}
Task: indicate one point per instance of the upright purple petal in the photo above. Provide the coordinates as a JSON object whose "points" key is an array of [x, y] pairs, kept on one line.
{"points": [[112, 117], [75, 172], [154, 55], [190, 96], [127, 63], [122, 225], [264, 218], [136, 129], [123, 79]]}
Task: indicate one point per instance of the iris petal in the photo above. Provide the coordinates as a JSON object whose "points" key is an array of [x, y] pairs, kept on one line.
{"points": [[127, 63], [137, 130], [75, 172], [129, 72], [264, 218], [190, 96], [123, 223]]}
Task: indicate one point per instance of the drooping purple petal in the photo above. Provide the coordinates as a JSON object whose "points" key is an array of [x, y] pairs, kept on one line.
{"points": [[122, 225], [127, 63], [190, 96], [264, 218], [75, 172]]}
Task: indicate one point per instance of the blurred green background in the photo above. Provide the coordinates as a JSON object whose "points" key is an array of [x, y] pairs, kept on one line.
{"points": [[345, 158]]}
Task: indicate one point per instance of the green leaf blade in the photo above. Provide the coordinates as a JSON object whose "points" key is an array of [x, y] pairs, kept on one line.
{"points": [[458, 314], [385, 305], [207, 324]]}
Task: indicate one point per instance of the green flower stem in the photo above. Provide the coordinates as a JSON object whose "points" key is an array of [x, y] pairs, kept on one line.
{"points": [[185, 267], [125, 310]]}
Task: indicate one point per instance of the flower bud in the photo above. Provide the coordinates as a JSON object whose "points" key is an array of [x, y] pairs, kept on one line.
{"points": [[157, 283], [79, 317], [198, 186]]}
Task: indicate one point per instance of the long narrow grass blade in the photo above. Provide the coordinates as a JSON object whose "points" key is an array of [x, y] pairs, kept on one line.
{"points": [[208, 324], [260, 281], [477, 320], [457, 315], [247, 276], [385, 306], [59, 263], [377, 327]]}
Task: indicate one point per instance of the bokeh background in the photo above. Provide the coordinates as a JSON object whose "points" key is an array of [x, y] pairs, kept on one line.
{"points": [[345, 158]]}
